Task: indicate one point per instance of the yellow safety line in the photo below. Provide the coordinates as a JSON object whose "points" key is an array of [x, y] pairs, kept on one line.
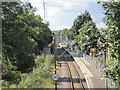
{"points": [[85, 61], [83, 67]]}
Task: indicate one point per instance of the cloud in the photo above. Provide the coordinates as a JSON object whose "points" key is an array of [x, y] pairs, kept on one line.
{"points": [[67, 11], [65, 6], [61, 13], [101, 25], [74, 7], [55, 3], [52, 12]]}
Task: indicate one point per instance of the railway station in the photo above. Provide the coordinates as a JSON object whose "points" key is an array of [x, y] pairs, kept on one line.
{"points": [[60, 44], [75, 72]]}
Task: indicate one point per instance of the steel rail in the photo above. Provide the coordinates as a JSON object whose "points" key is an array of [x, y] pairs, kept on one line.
{"points": [[81, 84]]}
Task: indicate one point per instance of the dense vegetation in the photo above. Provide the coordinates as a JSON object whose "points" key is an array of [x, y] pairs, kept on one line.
{"points": [[85, 34], [112, 39], [24, 37], [41, 75]]}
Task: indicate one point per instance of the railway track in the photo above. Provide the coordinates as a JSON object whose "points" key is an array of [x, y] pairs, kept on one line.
{"points": [[74, 74]]}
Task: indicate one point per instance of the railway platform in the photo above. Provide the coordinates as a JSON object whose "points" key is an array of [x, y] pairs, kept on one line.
{"points": [[91, 74]]}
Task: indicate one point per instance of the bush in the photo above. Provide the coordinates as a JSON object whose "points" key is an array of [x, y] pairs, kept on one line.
{"points": [[40, 77]]}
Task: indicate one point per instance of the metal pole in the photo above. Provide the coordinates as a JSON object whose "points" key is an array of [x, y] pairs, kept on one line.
{"points": [[45, 11], [55, 60], [81, 46], [55, 71], [106, 83]]}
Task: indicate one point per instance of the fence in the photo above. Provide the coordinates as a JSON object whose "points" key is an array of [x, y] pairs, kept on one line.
{"points": [[100, 64]]}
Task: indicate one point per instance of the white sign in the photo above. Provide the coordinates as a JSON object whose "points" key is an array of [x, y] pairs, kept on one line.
{"points": [[55, 77]]}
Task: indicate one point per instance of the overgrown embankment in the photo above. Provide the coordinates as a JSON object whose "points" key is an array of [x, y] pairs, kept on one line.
{"points": [[41, 75], [24, 35]]}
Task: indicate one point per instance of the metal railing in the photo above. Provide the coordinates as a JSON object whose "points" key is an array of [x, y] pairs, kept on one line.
{"points": [[100, 64]]}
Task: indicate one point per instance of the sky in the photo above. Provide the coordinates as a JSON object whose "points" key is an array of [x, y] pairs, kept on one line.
{"points": [[62, 13]]}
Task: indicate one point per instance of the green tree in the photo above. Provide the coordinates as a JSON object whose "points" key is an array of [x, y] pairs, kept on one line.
{"points": [[88, 36], [84, 32], [17, 45], [112, 18], [79, 21], [24, 36]]}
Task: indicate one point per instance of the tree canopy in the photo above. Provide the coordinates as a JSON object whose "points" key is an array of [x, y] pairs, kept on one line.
{"points": [[79, 21], [24, 36], [112, 18]]}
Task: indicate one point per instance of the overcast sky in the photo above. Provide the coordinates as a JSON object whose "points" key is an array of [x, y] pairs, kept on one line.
{"points": [[61, 13]]}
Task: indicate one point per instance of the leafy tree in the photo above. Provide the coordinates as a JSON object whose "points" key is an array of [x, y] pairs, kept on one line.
{"points": [[85, 32], [64, 34], [24, 36], [112, 18], [17, 44], [87, 37], [79, 21]]}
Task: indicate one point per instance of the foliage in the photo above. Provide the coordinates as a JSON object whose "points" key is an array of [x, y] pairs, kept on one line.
{"points": [[65, 34], [24, 36], [112, 18], [79, 21], [77, 25], [88, 36], [40, 77], [84, 32]]}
